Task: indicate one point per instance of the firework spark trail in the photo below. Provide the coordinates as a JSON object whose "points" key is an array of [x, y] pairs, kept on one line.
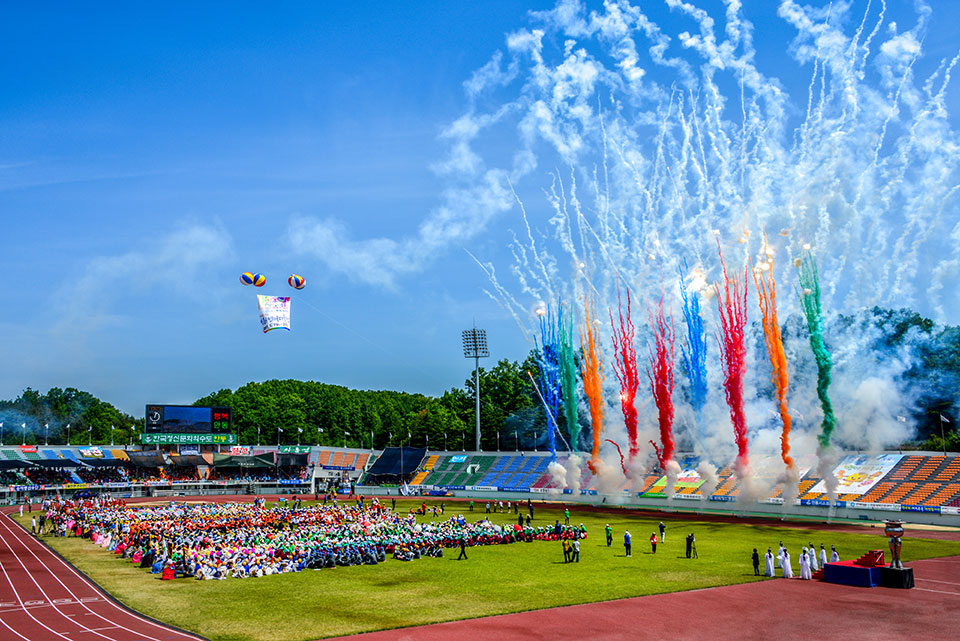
{"points": [[766, 288], [591, 371], [549, 362], [810, 301], [625, 367], [623, 465], [568, 375], [733, 352], [694, 352], [660, 373]]}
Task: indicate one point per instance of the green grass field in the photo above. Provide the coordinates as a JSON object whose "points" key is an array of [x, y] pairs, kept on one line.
{"points": [[495, 579]]}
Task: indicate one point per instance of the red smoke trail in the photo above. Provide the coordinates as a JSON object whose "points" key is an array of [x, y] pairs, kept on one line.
{"points": [[660, 373], [620, 452], [625, 367], [733, 352], [591, 372]]}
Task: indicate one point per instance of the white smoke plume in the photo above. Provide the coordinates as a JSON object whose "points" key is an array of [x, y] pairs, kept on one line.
{"points": [[672, 471], [708, 473]]}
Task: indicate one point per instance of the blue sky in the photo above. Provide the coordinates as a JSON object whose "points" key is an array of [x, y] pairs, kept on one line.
{"points": [[148, 156]]}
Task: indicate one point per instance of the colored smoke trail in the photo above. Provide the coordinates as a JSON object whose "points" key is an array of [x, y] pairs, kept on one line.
{"points": [[810, 301], [567, 360], [625, 367], [694, 352], [733, 353], [660, 373], [549, 361], [767, 293], [623, 465], [591, 371]]}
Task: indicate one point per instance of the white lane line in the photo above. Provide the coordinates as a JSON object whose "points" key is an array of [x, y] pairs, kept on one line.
{"points": [[938, 591], [168, 631], [69, 591], [20, 601], [919, 578]]}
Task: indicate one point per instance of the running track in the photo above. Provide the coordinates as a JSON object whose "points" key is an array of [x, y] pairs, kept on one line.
{"points": [[42, 597]]}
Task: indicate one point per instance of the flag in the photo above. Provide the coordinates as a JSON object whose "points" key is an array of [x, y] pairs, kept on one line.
{"points": [[346, 433], [300, 429], [320, 429], [391, 434], [90, 429], [408, 433], [944, 419], [280, 429]]}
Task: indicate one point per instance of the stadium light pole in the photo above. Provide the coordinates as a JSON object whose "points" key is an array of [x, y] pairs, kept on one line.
{"points": [[516, 439], [111, 435], [444, 438], [68, 434], [475, 347], [46, 427]]}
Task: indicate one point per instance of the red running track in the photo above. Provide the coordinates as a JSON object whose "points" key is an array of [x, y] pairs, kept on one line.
{"points": [[43, 597], [774, 610]]}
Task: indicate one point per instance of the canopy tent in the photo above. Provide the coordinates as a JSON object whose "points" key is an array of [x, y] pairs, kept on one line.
{"points": [[260, 461], [14, 465], [148, 459], [104, 462], [398, 462], [187, 460], [292, 459], [58, 462]]}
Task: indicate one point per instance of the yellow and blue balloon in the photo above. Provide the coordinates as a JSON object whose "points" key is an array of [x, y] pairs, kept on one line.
{"points": [[297, 281], [249, 278]]}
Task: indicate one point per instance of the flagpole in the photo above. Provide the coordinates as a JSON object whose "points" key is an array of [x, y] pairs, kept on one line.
{"points": [[943, 440]]}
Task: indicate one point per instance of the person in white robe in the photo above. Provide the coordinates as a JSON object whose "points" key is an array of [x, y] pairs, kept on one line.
{"points": [[780, 552], [834, 556], [805, 572], [768, 565], [785, 565], [813, 558], [823, 555]]}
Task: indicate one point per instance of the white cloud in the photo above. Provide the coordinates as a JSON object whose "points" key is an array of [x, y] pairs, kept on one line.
{"points": [[182, 261]]}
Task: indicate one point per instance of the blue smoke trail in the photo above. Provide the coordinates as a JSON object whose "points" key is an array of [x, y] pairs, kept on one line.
{"points": [[694, 352], [549, 361]]}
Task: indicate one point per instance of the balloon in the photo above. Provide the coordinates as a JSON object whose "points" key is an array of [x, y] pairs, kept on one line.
{"points": [[246, 278], [297, 281], [259, 280]]}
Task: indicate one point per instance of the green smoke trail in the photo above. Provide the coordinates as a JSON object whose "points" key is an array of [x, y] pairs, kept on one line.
{"points": [[568, 375], [810, 300]]}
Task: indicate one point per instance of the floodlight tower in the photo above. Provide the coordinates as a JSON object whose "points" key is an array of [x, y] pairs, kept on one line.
{"points": [[475, 347]]}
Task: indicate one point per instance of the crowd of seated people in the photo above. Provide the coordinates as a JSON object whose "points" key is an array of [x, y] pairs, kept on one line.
{"points": [[48, 476], [100, 475], [13, 477]]}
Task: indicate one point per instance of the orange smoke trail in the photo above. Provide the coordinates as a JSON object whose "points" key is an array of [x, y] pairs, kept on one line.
{"points": [[591, 371], [767, 290]]}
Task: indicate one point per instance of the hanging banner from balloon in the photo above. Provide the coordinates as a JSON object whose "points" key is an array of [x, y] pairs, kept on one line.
{"points": [[274, 312]]}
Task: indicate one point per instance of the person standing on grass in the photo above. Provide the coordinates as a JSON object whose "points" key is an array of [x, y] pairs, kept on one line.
{"points": [[823, 555], [33, 526], [785, 565], [813, 558], [576, 551], [21, 510], [689, 542], [768, 564], [609, 531], [488, 507], [565, 545], [653, 542], [530, 508], [520, 520], [834, 556], [463, 548], [566, 516], [626, 541], [756, 563], [663, 532]]}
